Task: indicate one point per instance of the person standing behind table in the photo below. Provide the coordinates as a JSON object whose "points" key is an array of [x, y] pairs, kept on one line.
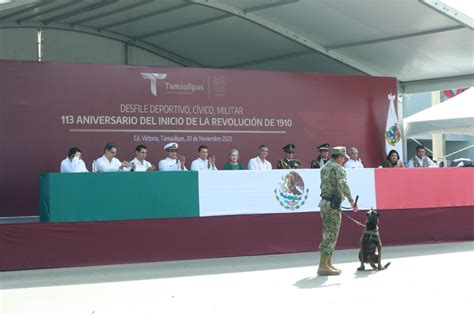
{"points": [[73, 163], [420, 159], [323, 156], [233, 163], [354, 161], [173, 161], [260, 162], [289, 162], [333, 185], [204, 162], [108, 162], [393, 160], [139, 164]]}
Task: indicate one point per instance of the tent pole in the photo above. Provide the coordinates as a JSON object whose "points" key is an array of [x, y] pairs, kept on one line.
{"points": [[401, 103], [439, 140]]}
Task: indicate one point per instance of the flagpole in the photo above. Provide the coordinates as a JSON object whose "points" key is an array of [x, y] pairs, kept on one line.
{"points": [[402, 101]]}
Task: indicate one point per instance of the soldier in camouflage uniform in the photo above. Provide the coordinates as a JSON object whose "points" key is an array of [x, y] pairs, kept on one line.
{"points": [[333, 183], [289, 162]]}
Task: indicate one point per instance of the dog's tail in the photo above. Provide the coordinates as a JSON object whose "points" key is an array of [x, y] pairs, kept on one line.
{"points": [[386, 265]]}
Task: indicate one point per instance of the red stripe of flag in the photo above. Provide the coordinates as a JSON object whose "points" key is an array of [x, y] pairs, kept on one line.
{"points": [[412, 188]]}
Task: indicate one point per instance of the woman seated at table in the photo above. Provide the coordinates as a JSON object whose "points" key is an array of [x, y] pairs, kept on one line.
{"points": [[393, 160], [233, 163]]}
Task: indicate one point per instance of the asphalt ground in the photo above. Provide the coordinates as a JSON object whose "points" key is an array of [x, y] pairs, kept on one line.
{"points": [[423, 279]]}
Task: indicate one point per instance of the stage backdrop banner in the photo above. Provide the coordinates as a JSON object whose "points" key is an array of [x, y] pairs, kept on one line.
{"points": [[275, 191], [47, 108]]}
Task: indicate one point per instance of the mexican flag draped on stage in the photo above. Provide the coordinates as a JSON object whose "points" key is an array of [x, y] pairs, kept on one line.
{"points": [[393, 135]]}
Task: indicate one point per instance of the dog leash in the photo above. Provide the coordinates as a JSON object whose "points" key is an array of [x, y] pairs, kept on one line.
{"points": [[352, 219], [349, 217]]}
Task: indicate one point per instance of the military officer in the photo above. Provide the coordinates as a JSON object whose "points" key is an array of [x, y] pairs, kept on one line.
{"points": [[323, 156], [173, 162], [333, 186], [289, 162]]}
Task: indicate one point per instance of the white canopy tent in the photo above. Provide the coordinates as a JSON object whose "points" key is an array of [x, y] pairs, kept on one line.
{"points": [[429, 45], [454, 116]]}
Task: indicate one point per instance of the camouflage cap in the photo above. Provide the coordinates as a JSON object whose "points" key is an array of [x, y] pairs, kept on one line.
{"points": [[339, 151]]}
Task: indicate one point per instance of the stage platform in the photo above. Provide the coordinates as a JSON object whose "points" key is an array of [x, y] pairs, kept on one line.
{"points": [[54, 245], [28, 219]]}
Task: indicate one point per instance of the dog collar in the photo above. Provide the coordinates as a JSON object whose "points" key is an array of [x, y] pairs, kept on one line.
{"points": [[376, 232]]}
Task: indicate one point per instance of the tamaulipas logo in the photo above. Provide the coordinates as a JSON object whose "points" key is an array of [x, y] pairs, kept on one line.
{"points": [[170, 87], [393, 135], [153, 77], [291, 193]]}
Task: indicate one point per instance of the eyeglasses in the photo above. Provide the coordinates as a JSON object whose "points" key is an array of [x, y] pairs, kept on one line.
{"points": [[113, 152]]}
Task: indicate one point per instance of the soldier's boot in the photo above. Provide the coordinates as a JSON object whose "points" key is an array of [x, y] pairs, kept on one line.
{"points": [[330, 265], [323, 268]]}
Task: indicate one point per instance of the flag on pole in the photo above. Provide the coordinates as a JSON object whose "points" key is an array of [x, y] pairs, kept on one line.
{"points": [[393, 135]]}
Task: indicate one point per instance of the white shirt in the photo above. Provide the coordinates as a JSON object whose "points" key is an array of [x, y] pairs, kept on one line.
{"points": [[140, 166], [257, 164], [202, 165], [353, 164], [103, 164], [169, 164], [430, 162], [76, 165]]}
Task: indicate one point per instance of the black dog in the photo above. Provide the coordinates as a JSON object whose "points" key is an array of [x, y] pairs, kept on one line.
{"points": [[370, 243]]}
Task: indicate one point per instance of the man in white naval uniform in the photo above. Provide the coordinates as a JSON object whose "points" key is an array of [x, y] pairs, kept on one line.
{"points": [[204, 162], [73, 163], [139, 164], [173, 162], [354, 161], [109, 163], [260, 162]]}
